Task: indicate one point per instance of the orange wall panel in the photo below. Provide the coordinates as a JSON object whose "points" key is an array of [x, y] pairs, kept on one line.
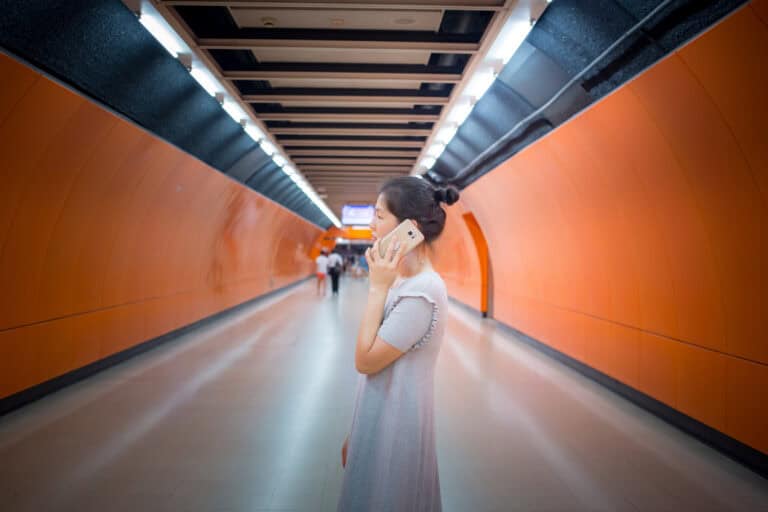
{"points": [[700, 377], [455, 258], [110, 237], [634, 238], [761, 9], [746, 393]]}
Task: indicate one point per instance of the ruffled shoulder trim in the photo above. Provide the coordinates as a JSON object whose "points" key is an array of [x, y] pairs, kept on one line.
{"points": [[435, 313]]}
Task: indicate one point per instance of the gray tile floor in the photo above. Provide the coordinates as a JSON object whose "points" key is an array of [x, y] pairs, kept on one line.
{"points": [[249, 413]]}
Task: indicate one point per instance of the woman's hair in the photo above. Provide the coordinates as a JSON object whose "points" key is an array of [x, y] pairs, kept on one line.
{"points": [[409, 197]]}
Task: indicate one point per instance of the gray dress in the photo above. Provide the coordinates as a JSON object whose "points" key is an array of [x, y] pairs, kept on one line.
{"points": [[391, 459]]}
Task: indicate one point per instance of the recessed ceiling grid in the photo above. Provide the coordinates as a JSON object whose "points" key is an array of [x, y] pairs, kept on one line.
{"points": [[350, 90]]}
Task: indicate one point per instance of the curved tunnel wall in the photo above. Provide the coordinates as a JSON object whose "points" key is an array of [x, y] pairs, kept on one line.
{"points": [[111, 236], [457, 260], [634, 238]]}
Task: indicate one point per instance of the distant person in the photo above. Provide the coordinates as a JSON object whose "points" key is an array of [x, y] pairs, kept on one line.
{"points": [[363, 265], [335, 265], [322, 269], [389, 456], [354, 266]]}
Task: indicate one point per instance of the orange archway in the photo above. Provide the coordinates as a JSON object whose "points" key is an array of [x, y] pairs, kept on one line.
{"points": [[327, 239]]}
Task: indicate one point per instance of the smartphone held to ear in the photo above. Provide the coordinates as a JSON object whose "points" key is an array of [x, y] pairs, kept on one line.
{"points": [[406, 233]]}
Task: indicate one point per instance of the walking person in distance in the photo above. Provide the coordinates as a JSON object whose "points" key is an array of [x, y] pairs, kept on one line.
{"points": [[335, 266], [322, 269]]}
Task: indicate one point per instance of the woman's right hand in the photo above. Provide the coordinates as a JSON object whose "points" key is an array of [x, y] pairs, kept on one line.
{"points": [[382, 270], [344, 453]]}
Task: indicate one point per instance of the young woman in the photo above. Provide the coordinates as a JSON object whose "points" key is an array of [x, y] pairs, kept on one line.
{"points": [[389, 456]]}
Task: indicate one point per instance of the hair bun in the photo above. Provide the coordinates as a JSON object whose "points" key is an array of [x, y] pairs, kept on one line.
{"points": [[447, 195]]}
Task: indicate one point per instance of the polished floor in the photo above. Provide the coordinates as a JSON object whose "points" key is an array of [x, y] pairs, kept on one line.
{"points": [[249, 412]]}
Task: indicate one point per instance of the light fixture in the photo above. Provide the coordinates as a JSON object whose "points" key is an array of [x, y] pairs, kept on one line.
{"points": [[480, 82], [436, 149], [162, 33], [460, 111], [234, 110], [268, 147], [254, 132], [279, 159], [446, 133], [428, 162], [510, 38], [206, 80]]}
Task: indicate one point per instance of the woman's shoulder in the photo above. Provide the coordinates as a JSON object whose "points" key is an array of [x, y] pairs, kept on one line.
{"points": [[428, 283]]}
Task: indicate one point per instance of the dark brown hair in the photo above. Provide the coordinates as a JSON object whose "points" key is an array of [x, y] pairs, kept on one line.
{"points": [[409, 197]]}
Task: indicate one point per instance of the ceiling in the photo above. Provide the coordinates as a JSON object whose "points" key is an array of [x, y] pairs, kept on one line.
{"points": [[350, 90]]}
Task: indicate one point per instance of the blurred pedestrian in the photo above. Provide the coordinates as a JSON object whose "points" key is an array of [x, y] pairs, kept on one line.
{"points": [[322, 269], [335, 264]]}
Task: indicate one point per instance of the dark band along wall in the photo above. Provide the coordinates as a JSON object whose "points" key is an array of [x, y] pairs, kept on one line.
{"points": [[111, 236]]}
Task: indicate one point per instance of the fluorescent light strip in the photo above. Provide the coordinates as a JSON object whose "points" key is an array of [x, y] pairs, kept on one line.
{"points": [[175, 45], [206, 80], [446, 133], [480, 82], [254, 132], [436, 149], [268, 147], [234, 110], [506, 43], [460, 111], [510, 38], [165, 35], [428, 162]]}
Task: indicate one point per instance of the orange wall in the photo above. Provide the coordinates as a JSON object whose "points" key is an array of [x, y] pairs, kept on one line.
{"points": [[635, 237], [110, 236], [455, 258]]}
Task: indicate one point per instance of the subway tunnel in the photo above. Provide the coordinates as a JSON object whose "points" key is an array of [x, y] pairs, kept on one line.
{"points": [[171, 170]]}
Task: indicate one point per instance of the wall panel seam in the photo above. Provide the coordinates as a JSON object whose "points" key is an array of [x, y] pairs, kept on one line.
{"points": [[640, 329], [122, 304]]}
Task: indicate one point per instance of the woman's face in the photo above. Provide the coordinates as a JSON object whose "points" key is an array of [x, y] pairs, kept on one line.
{"points": [[384, 221]]}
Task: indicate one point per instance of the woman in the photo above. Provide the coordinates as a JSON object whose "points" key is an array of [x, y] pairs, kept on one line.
{"points": [[322, 269], [389, 456]]}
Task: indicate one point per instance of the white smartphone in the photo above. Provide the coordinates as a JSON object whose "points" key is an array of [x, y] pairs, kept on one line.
{"points": [[406, 233]]}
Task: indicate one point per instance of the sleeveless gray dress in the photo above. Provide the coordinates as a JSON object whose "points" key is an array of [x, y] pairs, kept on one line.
{"points": [[391, 458]]}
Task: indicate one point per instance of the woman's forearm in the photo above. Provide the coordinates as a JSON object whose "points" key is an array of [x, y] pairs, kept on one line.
{"points": [[374, 312]]}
